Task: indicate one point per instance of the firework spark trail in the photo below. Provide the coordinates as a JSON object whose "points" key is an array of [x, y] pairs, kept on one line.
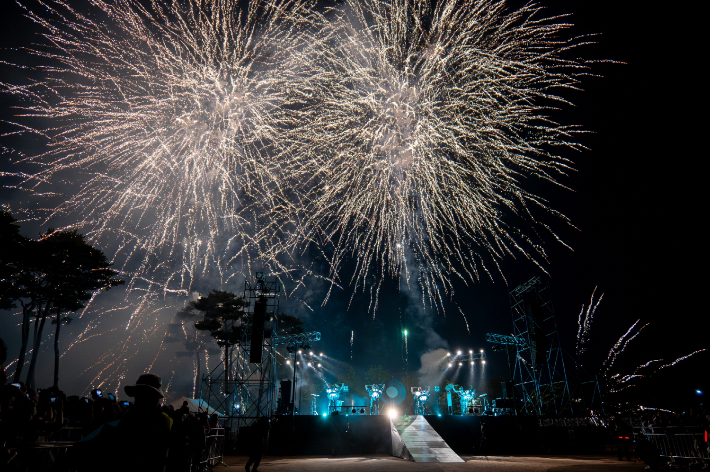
{"points": [[585, 322], [617, 381], [465, 320], [426, 120], [622, 382], [620, 346]]}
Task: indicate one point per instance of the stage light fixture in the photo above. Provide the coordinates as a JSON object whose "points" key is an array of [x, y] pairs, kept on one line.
{"points": [[458, 353], [450, 364], [321, 354], [470, 351], [310, 365], [299, 351], [320, 365], [448, 354], [460, 363], [288, 362], [483, 362], [392, 413]]}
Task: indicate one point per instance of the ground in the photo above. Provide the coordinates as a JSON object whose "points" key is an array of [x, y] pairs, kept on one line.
{"points": [[477, 463]]}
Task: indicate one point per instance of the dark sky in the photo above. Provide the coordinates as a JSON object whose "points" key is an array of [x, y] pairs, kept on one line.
{"points": [[636, 203]]}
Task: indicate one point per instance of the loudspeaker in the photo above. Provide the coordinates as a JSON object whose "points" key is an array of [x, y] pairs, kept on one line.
{"points": [[257, 330], [507, 388], [285, 398], [394, 392]]}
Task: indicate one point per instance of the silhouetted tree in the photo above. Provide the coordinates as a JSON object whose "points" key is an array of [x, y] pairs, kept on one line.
{"points": [[222, 315], [183, 330], [53, 275], [76, 270], [12, 245], [290, 324]]}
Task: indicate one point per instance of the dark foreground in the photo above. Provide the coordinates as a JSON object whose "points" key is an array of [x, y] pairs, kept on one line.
{"points": [[473, 463]]}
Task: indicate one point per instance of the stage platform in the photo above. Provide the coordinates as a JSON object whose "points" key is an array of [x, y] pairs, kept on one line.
{"points": [[465, 435]]}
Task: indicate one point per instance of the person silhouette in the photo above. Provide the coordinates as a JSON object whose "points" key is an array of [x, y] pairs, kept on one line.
{"points": [[255, 443], [143, 435]]}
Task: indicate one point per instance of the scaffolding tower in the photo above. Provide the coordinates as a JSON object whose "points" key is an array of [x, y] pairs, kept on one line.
{"points": [[539, 370], [242, 387]]}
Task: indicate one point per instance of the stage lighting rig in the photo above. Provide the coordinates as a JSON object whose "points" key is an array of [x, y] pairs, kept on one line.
{"points": [[421, 395], [375, 392], [465, 397], [333, 392], [461, 358], [314, 404], [296, 343]]}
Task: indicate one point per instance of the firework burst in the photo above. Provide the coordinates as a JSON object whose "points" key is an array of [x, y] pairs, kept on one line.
{"points": [[167, 121], [426, 119]]}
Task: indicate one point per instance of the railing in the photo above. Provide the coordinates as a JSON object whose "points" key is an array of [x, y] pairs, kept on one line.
{"points": [[213, 453], [679, 447], [38, 457]]}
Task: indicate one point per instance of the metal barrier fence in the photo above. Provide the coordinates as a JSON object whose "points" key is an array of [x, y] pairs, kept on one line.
{"points": [[213, 453], [680, 447]]}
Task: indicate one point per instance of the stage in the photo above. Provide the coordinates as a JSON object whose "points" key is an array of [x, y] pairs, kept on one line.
{"points": [[466, 435]]}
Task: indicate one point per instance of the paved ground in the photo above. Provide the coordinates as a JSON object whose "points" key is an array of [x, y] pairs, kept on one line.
{"points": [[473, 463]]}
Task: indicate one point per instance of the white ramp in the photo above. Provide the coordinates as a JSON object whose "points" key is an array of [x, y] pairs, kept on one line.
{"points": [[420, 442]]}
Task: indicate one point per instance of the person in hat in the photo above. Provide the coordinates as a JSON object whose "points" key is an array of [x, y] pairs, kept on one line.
{"points": [[143, 435]]}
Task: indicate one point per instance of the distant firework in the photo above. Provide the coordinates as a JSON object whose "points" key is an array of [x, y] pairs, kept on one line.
{"points": [[197, 136]]}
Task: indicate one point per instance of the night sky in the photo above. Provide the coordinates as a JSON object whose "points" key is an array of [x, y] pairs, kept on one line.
{"points": [[636, 203]]}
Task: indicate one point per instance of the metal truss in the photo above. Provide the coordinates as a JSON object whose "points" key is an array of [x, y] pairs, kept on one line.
{"points": [[539, 372], [239, 388], [297, 339], [506, 340]]}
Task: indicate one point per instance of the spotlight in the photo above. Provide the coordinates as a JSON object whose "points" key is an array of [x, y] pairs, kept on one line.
{"points": [[299, 351], [460, 363], [458, 353], [310, 365], [481, 350], [470, 351], [450, 364], [321, 354], [448, 354], [392, 413], [471, 362], [288, 362], [320, 365], [483, 362]]}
